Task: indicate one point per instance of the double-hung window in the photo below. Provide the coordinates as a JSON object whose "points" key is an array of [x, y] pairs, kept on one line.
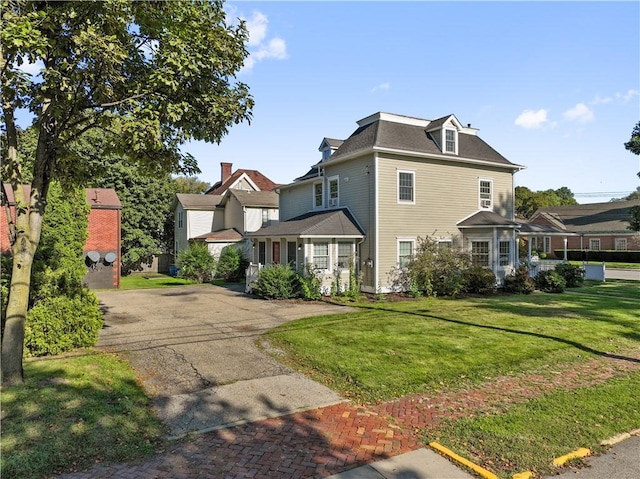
{"points": [[505, 253], [621, 244], [344, 254], [333, 192], [405, 252], [480, 253], [450, 141], [485, 193], [180, 219], [406, 186], [321, 255], [318, 195], [594, 244]]}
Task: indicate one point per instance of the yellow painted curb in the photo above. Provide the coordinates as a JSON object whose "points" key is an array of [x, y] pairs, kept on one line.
{"points": [[479, 470], [523, 475], [580, 452]]}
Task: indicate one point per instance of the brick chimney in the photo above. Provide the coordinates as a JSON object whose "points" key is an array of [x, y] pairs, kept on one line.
{"points": [[225, 172]]}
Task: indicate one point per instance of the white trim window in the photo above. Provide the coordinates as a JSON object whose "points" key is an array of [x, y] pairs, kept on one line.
{"points": [[345, 253], [318, 194], [547, 244], [504, 253], [406, 186], [334, 192], [450, 141], [481, 253], [620, 244], [594, 244], [406, 248], [485, 194], [445, 245], [321, 255]]}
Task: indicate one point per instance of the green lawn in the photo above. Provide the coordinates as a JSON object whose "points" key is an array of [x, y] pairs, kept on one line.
{"points": [[150, 280], [390, 349], [530, 435], [73, 411], [618, 288]]}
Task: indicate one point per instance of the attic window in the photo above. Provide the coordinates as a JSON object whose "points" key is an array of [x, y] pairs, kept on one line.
{"points": [[450, 141]]}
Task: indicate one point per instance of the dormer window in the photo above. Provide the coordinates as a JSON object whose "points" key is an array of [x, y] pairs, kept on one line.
{"points": [[326, 154], [450, 141]]}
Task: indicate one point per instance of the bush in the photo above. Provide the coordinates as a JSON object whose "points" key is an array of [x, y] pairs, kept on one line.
{"points": [[519, 281], [309, 285], [550, 282], [56, 325], [196, 263], [231, 264], [433, 271], [277, 281], [479, 280], [601, 255], [572, 274]]}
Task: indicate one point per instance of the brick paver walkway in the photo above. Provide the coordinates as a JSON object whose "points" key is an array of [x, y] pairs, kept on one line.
{"points": [[329, 440]]}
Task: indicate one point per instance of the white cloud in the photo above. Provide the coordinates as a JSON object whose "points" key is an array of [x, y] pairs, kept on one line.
{"points": [[382, 86], [580, 113], [257, 27], [598, 100], [532, 119], [628, 96], [259, 47]]}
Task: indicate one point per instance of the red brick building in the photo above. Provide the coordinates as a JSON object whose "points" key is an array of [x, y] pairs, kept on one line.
{"points": [[102, 248]]}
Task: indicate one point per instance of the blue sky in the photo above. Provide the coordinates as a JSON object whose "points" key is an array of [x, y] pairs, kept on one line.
{"points": [[552, 86]]}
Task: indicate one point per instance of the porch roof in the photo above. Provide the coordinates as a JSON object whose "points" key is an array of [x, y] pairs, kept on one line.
{"points": [[224, 236], [534, 229], [486, 219], [326, 223]]}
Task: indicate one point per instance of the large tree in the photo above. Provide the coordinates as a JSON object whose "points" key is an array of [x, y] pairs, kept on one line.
{"points": [[527, 201], [149, 75], [633, 145]]}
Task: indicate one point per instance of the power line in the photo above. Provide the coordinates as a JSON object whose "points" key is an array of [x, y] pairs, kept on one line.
{"points": [[603, 193]]}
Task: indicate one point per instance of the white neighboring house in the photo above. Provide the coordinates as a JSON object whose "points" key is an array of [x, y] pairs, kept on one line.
{"points": [[241, 202]]}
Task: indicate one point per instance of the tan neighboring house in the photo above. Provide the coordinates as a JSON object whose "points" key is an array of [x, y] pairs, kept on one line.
{"points": [[394, 180], [594, 227], [230, 209]]}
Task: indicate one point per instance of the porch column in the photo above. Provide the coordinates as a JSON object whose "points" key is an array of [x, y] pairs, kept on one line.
{"points": [[529, 247], [564, 241]]}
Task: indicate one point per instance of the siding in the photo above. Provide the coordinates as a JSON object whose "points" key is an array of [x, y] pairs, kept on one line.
{"points": [[444, 195], [199, 223], [295, 200], [233, 215]]}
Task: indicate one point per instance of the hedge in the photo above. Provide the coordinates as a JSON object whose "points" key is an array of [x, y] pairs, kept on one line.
{"points": [[602, 255]]}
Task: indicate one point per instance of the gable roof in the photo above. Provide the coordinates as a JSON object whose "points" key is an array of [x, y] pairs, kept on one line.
{"points": [[412, 137], [192, 201], [103, 198], [611, 217], [532, 229], [484, 219], [220, 236], [326, 223], [265, 199], [262, 182]]}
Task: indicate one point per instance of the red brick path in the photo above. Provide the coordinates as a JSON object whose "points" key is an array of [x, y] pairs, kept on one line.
{"points": [[329, 440]]}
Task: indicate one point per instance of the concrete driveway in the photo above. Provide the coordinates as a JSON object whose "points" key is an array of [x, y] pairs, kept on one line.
{"points": [[193, 348]]}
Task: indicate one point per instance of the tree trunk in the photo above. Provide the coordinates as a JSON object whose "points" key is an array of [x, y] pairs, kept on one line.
{"points": [[28, 227]]}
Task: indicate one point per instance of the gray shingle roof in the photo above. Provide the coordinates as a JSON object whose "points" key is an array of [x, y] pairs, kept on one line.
{"points": [[266, 199], [486, 219], [333, 223], [532, 229], [191, 201], [592, 217], [412, 138], [226, 235]]}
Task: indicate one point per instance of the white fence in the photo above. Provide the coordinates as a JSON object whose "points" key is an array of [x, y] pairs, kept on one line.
{"points": [[251, 275], [591, 271]]}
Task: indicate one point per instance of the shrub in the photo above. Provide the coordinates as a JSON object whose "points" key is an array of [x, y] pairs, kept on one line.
{"points": [[196, 263], [309, 285], [56, 325], [519, 281], [550, 282], [277, 281], [433, 271], [479, 280], [231, 264], [572, 274]]}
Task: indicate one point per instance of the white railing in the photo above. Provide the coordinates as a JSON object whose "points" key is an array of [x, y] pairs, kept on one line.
{"points": [[251, 275], [543, 265]]}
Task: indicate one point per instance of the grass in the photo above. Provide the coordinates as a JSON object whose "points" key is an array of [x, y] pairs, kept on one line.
{"points": [[150, 280], [530, 435], [609, 264], [387, 350], [74, 411], [618, 288]]}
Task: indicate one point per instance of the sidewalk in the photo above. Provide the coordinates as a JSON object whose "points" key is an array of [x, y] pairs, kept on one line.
{"points": [[343, 437]]}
